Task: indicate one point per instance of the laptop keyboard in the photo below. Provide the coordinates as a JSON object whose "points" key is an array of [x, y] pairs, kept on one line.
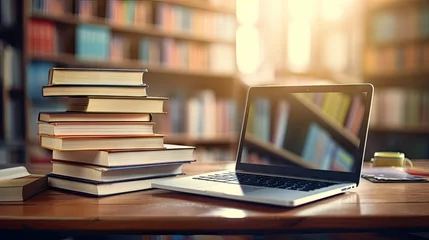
{"points": [[266, 181]]}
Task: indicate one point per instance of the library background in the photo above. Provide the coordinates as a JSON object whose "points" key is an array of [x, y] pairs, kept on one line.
{"points": [[203, 54]]}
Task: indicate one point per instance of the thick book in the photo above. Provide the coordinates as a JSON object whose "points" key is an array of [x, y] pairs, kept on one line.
{"points": [[20, 189], [120, 105], [94, 90], [74, 143], [93, 117], [115, 158], [95, 128], [112, 174], [101, 189], [91, 76]]}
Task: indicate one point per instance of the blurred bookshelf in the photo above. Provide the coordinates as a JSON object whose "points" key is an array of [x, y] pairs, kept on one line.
{"points": [[203, 140], [188, 46], [12, 142], [396, 62], [419, 130]]}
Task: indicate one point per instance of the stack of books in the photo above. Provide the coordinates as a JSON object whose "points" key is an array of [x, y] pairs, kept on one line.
{"points": [[104, 143]]}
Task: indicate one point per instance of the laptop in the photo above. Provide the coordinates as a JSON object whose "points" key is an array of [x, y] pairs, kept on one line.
{"points": [[298, 144]]}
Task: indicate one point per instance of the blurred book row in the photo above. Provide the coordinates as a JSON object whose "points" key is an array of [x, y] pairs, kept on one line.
{"points": [[396, 107], [178, 54], [213, 154], [200, 115], [139, 14], [99, 43], [409, 58], [409, 23], [171, 17]]}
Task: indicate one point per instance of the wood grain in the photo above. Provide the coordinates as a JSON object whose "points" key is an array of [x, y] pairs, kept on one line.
{"points": [[370, 207]]}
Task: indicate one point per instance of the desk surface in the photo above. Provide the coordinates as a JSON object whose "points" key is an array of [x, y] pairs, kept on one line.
{"points": [[370, 207]]}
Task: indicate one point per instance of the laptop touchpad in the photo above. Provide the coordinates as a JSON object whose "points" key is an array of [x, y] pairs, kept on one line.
{"points": [[231, 189]]}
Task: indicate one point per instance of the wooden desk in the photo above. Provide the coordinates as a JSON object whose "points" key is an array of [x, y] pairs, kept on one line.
{"points": [[371, 207]]}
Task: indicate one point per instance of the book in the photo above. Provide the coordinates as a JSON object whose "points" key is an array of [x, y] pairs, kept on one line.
{"points": [[115, 158], [91, 76], [94, 117], [120, 105], [20, 189], [73, 143], [112, 174], [94, 90], [8, 173], [95, 128], [100, 189]]}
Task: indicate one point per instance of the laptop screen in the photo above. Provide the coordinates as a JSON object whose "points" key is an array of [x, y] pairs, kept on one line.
{"points": [[313, 130]]}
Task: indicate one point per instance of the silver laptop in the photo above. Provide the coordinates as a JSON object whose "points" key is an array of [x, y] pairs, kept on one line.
{"points": [[298, 144]]}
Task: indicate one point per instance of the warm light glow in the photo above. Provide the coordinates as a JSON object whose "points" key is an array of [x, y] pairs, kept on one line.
{"points": [[301, 9], [247, 11], [335, 52], [333, 10], [248, 52], [298, 45], [229, 213]]}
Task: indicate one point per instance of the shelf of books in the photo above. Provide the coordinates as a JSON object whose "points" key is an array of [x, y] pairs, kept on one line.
{"points": [[202, 119], [396, 62], [184, 44], [12, 136], [397, 42], [155, 35], [400, 110]]}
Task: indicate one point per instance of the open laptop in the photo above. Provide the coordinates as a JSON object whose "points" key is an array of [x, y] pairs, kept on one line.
{"points": [[297, 144]]}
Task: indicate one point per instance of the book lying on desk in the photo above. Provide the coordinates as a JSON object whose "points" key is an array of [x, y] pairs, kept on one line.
{"points": [[94, 117], [95, 128], [101, 189], [73, 143], [118, 104], [111, 174], [115, 158], [20, 189], [94, 90], [90, 76]]}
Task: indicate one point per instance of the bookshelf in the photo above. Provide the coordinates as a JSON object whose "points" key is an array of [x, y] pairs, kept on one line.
{"points": [[71, 19], [223, 139], [396, 63], [420, 130], [12, 142], [184, 57]]}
